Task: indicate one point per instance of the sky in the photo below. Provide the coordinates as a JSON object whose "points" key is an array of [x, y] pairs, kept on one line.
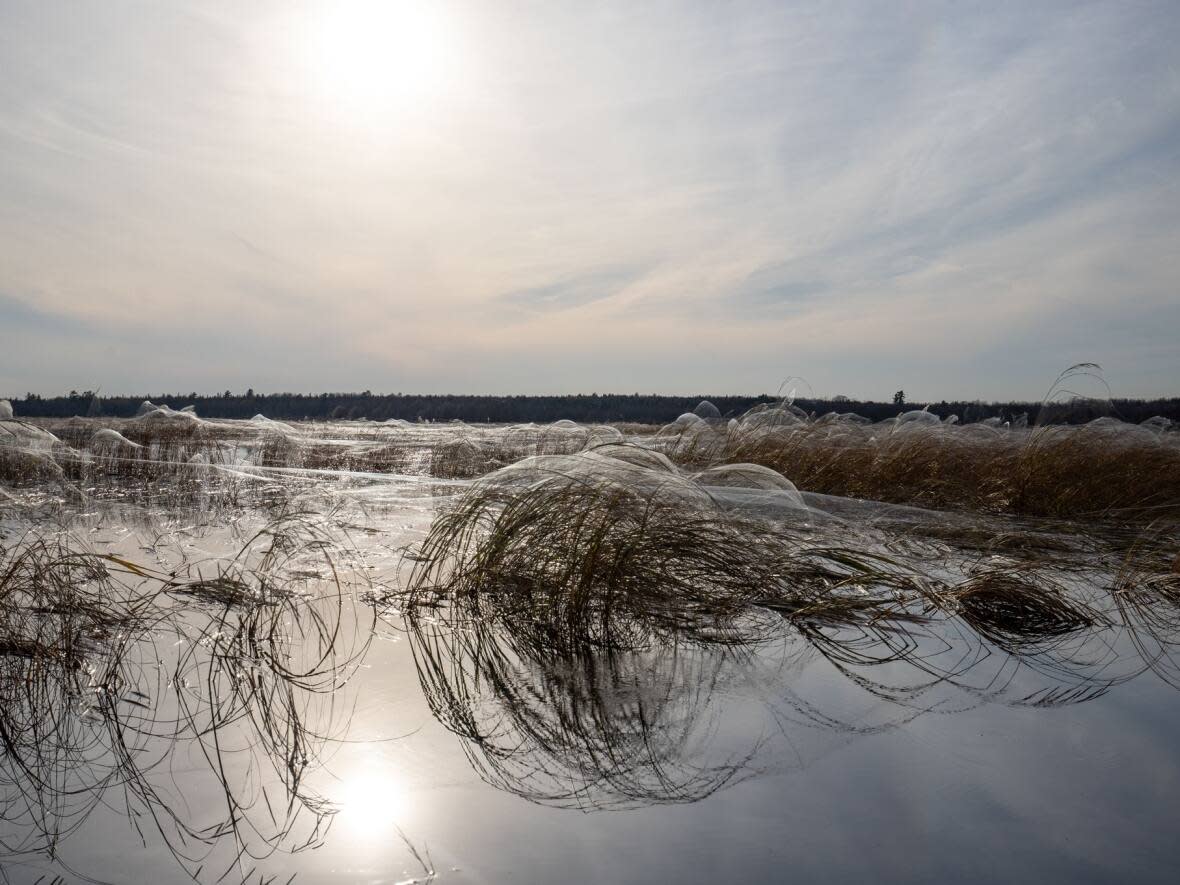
{"points": [[955, 199]]}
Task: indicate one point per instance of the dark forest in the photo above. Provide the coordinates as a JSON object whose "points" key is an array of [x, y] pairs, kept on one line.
{"points": [[590, 408]]}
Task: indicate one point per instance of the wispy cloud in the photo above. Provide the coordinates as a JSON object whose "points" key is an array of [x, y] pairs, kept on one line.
{"points": [[18, 316], [574, 291]]}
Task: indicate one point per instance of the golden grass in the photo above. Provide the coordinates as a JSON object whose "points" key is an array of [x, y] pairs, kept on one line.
{"points": [[596, 550], [1102, 469]]}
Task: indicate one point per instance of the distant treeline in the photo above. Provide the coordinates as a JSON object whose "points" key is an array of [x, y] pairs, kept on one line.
{"points": [[588, 408]]}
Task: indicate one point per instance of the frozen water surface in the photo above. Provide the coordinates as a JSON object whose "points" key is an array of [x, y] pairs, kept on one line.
{"points": [[254, 650]]}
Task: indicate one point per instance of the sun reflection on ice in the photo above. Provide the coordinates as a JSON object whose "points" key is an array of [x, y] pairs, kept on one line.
{"points": [[372, 808]]}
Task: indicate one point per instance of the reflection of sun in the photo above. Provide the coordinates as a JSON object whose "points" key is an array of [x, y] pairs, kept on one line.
{"points": [[371, 804], [371, 55]]}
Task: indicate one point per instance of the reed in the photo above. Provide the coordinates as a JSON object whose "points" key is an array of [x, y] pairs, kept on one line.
{"points": [[111, 669], [1104, 469]]}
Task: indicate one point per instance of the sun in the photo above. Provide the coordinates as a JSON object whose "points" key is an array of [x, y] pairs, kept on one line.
{"points": [[370, 57]]}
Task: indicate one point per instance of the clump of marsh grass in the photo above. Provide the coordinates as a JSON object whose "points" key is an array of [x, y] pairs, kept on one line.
{"points": [[1086, 471], [474, 454], [29, 455], [462, 458], [587, 544], [66, 632], [19, 468], [58, 603], [110, 668]]}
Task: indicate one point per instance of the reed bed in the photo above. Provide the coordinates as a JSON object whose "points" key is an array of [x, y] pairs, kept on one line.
{"points": [[1103, 469], [574, 606], [477, 454]]}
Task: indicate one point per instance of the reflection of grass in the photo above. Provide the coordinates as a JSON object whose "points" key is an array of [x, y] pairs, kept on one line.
{"points": [[1009, 609], [109, 670], [576, 725]]}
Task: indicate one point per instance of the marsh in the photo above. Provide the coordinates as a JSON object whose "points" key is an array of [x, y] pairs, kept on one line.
{"points": [[249, 650]]}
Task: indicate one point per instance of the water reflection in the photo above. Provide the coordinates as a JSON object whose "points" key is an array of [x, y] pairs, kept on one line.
{"points": [[594, 720], [191, 703], [581, 725], [196, 703], [372, 802]]}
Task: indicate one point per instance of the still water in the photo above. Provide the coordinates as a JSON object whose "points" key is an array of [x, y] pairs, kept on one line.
{"points": [[190, 693], [688, 764]]}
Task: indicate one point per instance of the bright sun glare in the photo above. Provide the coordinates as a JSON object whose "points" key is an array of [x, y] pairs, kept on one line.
{"points": [[372, 805], [371, 56]]}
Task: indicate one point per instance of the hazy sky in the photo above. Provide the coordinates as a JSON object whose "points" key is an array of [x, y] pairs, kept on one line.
{"points": [[958, 199]]}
